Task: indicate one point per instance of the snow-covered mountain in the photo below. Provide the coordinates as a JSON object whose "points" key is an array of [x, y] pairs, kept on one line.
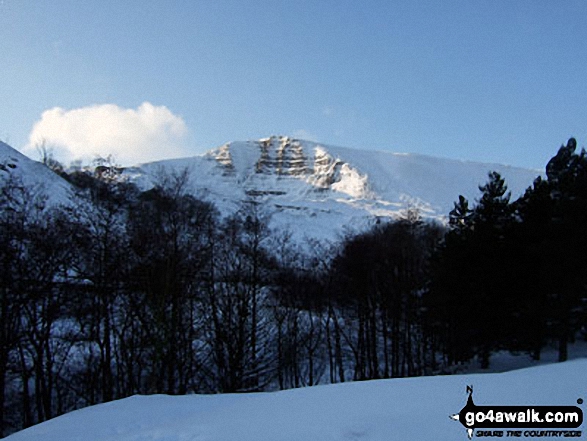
{"points": [[384, 410], [320, 191], [309, 189]]}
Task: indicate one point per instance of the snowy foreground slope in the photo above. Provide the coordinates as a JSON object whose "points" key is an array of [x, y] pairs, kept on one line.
{"points": [[386, 410]]}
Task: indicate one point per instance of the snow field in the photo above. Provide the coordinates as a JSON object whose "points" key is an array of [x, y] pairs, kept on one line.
{"points": [[390, 410]]}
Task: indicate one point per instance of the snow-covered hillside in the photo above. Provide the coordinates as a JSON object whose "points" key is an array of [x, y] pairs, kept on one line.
{"points": [[319, 191], [309, 189], [386, 410], [33, 174]]}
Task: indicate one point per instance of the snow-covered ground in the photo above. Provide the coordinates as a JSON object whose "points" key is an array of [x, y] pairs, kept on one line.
{"points": [[504, 361], [37, 177], [386, 410]]}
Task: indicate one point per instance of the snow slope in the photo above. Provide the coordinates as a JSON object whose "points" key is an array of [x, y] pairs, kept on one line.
{"points": [[386, 410], [319, 191], [33, 174]]}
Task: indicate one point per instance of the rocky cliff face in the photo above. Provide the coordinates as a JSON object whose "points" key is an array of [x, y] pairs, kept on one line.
{"points": [[289, 160]]}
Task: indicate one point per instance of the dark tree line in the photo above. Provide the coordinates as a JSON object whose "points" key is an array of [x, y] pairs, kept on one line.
{"points": [[380, 279], [510, 275], [139, 292]]}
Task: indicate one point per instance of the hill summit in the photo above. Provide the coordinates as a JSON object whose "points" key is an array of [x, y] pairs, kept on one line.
{"points": [[319, 191]]}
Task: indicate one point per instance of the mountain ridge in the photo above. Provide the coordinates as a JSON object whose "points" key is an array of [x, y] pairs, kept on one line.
{"points": [[323, 190], [312, 190]]}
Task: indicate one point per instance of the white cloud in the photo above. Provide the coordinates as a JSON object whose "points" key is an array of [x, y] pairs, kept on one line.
{"points": [[131, 136]]}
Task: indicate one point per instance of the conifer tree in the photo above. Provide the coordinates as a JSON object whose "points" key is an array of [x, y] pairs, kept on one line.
{"points": [[469, 292], [566, 240]]}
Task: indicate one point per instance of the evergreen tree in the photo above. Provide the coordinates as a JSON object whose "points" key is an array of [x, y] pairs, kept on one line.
{"points": [[470, 292], [556, 211], [534, 209], [459, 219]]}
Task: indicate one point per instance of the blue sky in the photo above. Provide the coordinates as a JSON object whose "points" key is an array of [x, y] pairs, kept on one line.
{"points": [[497, 81]]}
